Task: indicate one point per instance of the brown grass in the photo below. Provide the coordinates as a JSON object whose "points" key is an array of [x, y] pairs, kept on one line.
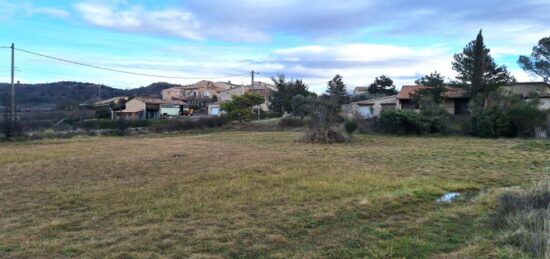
{"points": [[250, 194]]}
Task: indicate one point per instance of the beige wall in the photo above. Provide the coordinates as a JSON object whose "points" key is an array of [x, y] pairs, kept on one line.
{"points": [[167, 94], [544, 103], [449, 105], [135, 105], [226, 95]]}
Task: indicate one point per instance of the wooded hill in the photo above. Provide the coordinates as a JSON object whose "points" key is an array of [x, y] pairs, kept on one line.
{"points": [[62, 94]]}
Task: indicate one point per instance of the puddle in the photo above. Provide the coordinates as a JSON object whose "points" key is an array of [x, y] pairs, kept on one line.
{"points": [[448, 197]]}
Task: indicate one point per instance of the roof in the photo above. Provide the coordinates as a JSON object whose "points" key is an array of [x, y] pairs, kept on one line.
{"points": [[114, 100], [217, 86], [386, 99], [134, 110], [407, 91], [155, 101], [261, 86], [361, 88]]}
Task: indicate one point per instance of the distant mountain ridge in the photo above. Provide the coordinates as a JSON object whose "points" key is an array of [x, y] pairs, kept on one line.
{"points": [[67, 92]]}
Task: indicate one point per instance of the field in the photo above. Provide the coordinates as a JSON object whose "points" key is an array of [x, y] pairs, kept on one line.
{"points": [[247, 194]]}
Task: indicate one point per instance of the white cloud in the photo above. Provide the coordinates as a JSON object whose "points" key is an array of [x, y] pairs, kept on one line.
{"points": [[173, 22], [359, 64]]}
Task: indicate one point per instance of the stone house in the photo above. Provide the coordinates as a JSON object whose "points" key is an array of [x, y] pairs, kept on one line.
{"points": [[145, 108], [201, 93], [373, 107], [455, 100], [360, 90], [527, 89], [263, 89]]}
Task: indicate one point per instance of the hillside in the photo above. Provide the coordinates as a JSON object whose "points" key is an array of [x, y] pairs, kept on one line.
{"points": [[62, 93]]}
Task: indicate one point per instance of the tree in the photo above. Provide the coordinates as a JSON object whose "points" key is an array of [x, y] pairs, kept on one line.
{"points": [[337, 88], [382, 85], [281, 100], [435, 84], [477, 71], [300, 105], [240, 107], [325, 124], [539, 61]]}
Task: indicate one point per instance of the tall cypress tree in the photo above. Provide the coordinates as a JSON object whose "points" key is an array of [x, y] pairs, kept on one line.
{"points": [[477, 71], [478, 58]]}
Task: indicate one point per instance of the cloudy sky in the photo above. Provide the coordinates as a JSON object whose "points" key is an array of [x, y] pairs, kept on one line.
{"points": [[224, 40]]}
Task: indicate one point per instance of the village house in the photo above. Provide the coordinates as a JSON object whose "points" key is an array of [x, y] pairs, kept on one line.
{"points": [[201, 93], [263, 89], [373, 107], [360, 90], [145, 108], [455, 100], [526, 89]]}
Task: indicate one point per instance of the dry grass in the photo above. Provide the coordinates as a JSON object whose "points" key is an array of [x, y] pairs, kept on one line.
{"points": [[252, 194]]}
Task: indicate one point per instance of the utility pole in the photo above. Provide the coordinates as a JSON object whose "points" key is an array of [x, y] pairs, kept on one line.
{"points": [[252, 89], [12, 84], [252, 85]]}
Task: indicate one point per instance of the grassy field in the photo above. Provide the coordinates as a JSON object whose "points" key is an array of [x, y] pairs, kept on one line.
{"points": [[247, 194]]}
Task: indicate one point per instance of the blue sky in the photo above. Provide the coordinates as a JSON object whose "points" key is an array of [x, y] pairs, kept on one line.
{"points": [[309, 39]]}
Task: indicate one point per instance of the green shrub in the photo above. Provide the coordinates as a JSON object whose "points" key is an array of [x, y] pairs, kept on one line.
{"points": [[351, 126], [519, 119], [291, 122], [183, 125], [491, 122], [114, 124], [524, 118], [409, 122]]}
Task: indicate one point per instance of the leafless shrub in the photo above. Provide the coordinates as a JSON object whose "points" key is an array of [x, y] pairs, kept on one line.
{"points": [[325, 123], [524, 218]]}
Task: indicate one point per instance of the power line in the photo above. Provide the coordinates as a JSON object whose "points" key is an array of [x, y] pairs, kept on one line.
{"points": [[120, 71]]}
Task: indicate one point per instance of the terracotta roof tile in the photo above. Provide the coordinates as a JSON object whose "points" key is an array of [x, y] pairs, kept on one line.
{"points": [[408, 90]]}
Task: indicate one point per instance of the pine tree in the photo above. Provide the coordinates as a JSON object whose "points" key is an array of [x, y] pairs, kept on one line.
{"points": [[336, 87], [539, 61], [281, 99], [435, 84], [477, 71], [382, 85]]}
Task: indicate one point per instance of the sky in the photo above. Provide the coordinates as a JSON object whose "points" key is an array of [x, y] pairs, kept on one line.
{"points": [[217, 40]]}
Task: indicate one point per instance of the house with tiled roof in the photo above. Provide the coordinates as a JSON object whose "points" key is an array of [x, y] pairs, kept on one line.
{"points": [[529, 89], [455, 100], [200, 93], [360, 90], [146, 108], [261, 88]]}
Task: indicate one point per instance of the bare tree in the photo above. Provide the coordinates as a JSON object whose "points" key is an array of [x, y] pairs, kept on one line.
{"points": [[325, 123]]}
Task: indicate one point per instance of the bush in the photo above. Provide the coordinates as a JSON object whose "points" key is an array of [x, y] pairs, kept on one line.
{"points": [[409, 122], [183, 125], [524, 118], [114, 124], [291, 122], [325, 122], [351, 126], [517, 120], [523, 216]]}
